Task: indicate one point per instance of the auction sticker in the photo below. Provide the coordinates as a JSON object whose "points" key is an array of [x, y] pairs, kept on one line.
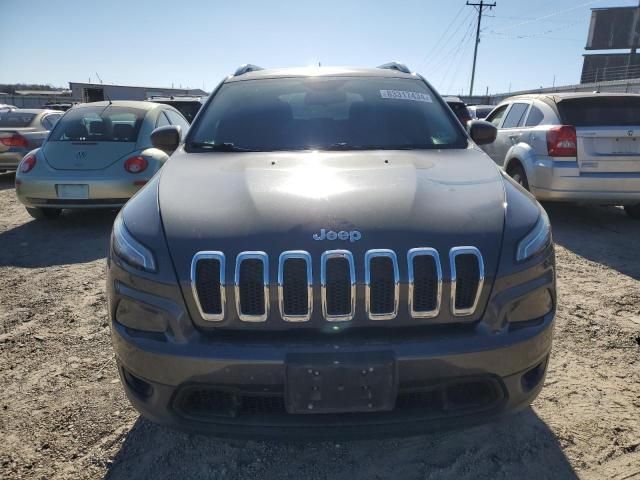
{"points": [[404, 95]]}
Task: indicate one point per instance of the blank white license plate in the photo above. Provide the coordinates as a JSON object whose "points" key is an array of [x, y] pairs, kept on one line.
{"points": [[76, 192]]}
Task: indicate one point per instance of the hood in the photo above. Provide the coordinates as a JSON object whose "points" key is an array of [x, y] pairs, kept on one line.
{"points": [[274, 201]]}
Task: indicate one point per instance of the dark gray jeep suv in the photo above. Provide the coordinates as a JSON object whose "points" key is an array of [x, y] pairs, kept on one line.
{"points": [[328, 252]]}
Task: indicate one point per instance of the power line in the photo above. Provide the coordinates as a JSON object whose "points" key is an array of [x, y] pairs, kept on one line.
{"points": [[457, 57], [437, 44], [445, 55], [544, 17], [480, 8]]}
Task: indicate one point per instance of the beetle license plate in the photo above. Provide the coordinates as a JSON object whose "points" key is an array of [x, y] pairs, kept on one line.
{"points": [[75, 192], [340, 383]]}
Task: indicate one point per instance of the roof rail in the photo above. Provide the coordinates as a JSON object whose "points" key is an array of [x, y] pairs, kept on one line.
{"points": [[246, 68], [400, 67]]}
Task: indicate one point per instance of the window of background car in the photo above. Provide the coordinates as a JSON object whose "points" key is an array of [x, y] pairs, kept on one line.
{"points": [[177, 119], [460, 109], [497, 115], [535, 117], [162, 121], [601, 110], [99, 124], [49, 121], [515, 115], [326, 113], [16, 119], [188, 109]]}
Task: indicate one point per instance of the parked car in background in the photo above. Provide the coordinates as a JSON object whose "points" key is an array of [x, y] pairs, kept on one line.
{"points": [[188, 105], [22, 130], [98, 155], [327, 253], [4, 107], [581, 147], [480, 112], [459, 108], [63, 107]]}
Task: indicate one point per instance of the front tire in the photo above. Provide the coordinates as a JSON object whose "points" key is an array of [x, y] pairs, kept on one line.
{"points": [[633, 211], [44, 213], [516, 172]]}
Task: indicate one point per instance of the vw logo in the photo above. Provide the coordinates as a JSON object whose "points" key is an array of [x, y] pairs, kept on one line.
{"points": [[630, 133], [81, 156]]}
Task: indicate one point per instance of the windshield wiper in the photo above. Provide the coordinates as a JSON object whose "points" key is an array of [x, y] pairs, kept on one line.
{"points": [[220, 147]]}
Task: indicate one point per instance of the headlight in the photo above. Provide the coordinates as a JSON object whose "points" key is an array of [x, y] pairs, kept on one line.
{"points": [[536, 240], [129, 249]]}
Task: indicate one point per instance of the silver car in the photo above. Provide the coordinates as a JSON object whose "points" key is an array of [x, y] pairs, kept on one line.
{"points": [[98, 155], [22, 130], [582, 147]]}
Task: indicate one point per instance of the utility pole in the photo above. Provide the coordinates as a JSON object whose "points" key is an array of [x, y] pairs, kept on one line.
{"points": [[480, 8]]}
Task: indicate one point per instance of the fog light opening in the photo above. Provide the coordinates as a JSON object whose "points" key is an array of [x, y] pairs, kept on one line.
{"points": [[139, 386], [469, 395], [532, 378]]}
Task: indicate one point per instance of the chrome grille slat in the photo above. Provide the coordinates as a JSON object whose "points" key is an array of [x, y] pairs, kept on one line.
{"points": [[472, 287], [220, 258], [285, 288], [378, 288], [250, 289], [328, 289], [421, 287]]}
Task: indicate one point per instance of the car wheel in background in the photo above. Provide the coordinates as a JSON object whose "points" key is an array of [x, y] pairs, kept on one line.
{"points": [[516, 172], [633, 210], [44, 213]]}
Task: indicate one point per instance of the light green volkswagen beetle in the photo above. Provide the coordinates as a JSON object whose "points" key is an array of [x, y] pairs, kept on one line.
{"points": [[98, 155]]}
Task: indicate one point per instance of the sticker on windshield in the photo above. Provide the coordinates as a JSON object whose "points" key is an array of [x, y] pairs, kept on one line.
{"points": [[403, 95]]}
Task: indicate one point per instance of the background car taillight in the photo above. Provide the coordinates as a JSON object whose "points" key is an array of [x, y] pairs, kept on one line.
{"points": [[27, 164], [562, 141], [15, 140], [135, 165]]}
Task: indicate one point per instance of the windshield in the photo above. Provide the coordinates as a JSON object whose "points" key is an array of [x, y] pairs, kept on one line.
{"points": [[325, 113], [16, 119], [99, 124], [600, 111]]}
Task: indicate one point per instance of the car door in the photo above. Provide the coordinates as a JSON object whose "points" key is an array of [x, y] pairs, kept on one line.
{"points": [[495, 117], [510, 131]]}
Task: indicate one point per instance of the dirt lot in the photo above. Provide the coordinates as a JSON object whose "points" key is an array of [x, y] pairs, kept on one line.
{"points": [[63, 413]]}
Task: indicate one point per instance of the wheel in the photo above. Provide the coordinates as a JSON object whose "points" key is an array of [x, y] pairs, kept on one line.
{"points": [[516, 172], [633, 210], [44, 213]]}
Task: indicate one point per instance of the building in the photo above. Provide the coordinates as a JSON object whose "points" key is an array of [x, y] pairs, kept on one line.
{"points": [[97, 92]]}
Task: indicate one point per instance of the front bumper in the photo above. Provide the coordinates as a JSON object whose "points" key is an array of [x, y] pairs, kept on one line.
{"points": [[103, 192], [158, 372], [563, 181]]}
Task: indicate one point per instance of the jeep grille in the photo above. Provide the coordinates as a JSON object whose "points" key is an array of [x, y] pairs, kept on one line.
{"points": [[295, 287]]}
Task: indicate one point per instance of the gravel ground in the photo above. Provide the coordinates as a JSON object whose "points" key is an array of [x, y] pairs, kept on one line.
{"points": [[64, 415]]}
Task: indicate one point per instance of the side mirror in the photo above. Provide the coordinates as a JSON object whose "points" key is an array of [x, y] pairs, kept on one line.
{"points": [[482, 132], [166, 138]]}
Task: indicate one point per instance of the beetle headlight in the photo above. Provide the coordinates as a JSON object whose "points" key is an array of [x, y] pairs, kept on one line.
{"points": [[536, 240], [129, 249]]}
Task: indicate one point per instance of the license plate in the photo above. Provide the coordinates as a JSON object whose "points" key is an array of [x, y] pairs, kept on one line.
{"points": [[625, 146], [340, 383], [76, 192]]}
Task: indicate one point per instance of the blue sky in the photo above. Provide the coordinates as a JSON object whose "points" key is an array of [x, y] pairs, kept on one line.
{"points": [[194, 43]]}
